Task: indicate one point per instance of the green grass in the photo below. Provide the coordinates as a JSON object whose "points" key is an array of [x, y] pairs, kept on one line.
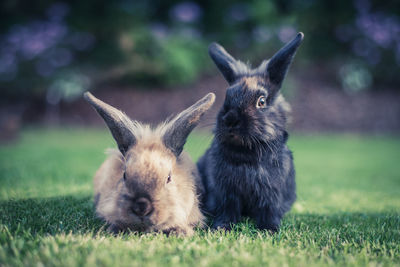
{"points": [[347, 212]]}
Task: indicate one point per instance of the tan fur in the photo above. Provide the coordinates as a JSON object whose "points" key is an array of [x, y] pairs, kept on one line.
{"points": [[252, 82], [176, 205], [146, 166]]}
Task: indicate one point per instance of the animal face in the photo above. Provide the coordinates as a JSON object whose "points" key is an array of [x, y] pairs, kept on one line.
{"points": [[148, 188], [242, 118]]}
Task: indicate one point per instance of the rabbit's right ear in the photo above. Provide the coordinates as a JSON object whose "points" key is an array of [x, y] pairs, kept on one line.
{"points": [[120, 125], [279, 63], [180, 127], [224, 61]]}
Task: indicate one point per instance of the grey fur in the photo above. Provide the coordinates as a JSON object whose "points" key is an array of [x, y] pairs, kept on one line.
{"points": [[248, 170]]}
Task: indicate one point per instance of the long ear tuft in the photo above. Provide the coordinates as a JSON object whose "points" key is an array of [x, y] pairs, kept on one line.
{"points": [[224, 61], [279, 63], [120, 125], [180, 127]]}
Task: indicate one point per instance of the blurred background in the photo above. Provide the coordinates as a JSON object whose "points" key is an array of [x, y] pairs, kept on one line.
{"points": [[149, 58]]}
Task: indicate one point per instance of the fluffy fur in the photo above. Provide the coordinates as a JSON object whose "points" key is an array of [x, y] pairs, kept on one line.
{"points": [[149, 184], [248, 170]]}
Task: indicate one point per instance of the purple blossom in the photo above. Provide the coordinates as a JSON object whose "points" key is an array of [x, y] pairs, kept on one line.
{"points": [[186, 12], [34, 38], [376, 28], [49, 43], [371, 32]]}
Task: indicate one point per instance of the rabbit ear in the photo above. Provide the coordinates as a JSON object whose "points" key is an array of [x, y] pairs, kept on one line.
{"points": [[180, 127], [225, 62], [279, 63], [120, 125]]}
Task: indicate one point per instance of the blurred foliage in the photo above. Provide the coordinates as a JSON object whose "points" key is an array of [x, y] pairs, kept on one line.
{"points": [[55, 50]]}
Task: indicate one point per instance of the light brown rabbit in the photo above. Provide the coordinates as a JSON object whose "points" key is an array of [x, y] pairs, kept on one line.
{"points": [[150, 184]]}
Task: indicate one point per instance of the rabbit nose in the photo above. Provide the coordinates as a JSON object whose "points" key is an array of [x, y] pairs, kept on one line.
{"points": [[142, 207], [231, 119]]}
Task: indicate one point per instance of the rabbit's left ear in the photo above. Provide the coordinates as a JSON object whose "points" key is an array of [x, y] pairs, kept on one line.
{"points": [[278, 65], [224, 61], [180, 127]]}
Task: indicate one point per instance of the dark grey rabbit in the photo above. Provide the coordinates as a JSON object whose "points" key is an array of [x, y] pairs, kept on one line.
{"points": [[248, 170]]}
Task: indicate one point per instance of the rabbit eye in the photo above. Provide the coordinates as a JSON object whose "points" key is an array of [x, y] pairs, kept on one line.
{"points": [[169, 178], [124, 177], [261, 102]]}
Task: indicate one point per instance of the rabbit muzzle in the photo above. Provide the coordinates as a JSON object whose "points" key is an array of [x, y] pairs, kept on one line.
{"points": [[142, 207], [231, 120]]}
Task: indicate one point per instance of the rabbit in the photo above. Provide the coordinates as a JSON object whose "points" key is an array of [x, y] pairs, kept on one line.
{"points": [[248, 169], [149, 184]]}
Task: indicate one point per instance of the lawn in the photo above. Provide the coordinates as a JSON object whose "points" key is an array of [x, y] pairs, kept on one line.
{"points": [[347, 212]]}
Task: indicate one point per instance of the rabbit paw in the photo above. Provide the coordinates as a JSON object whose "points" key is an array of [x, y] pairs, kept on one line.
{"points": [[178, 231], [222, 225]]}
